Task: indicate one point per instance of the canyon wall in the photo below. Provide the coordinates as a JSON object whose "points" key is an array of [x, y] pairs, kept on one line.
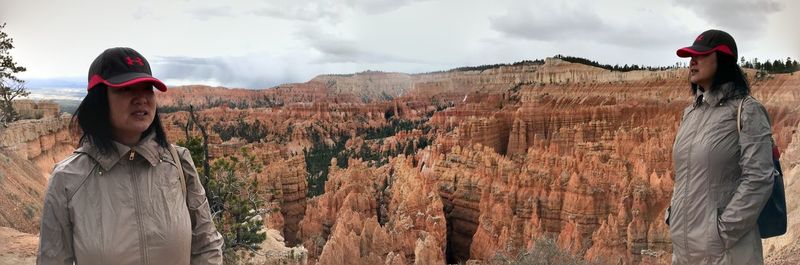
{"points": [[29, 149]]}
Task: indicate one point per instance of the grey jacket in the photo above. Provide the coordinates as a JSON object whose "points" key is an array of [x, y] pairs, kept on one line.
{"points": [[127, 208], [722, 181]]}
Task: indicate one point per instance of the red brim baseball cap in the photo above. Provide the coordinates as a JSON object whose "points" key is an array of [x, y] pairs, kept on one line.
{"points": [[702, 50], [121, 67], [708, 42]]}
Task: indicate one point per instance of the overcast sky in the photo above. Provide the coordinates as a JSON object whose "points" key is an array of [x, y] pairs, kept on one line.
{"points": [[260, 44]]}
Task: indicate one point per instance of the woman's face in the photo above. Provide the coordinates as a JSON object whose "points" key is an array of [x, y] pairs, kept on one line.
{"points": [[702, 69], [132, 110]]}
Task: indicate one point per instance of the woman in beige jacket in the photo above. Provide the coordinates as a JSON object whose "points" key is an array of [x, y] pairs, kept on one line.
{"points": [[121, 197], [723, 176]]}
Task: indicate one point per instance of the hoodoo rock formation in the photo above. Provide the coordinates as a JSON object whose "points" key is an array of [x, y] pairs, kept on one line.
{"points": [[387, 215]]}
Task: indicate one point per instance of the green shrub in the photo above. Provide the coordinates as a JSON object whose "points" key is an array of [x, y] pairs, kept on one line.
{"points": [[544, 252]]}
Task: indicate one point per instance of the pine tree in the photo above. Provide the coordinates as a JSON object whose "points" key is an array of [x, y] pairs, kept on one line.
{"points": [[11, 86], [778, 67], [235, 203]]}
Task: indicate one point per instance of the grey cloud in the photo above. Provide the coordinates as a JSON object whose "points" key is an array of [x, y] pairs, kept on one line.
{"points": [[380, 6], [561, 24], [293, 14], [208, 12], [327, 9], [345, 51], [303, 11], [338, 49], [554, 23], [743, 15], [247, 71]]}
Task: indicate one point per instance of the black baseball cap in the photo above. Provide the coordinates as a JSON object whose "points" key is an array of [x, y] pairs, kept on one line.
{"points": [[121, 67], [710, 41]]}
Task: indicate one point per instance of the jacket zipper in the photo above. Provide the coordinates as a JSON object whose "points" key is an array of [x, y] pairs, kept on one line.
{"points": [[685, 183], [689, 170], [142, 235], [698, 133]]}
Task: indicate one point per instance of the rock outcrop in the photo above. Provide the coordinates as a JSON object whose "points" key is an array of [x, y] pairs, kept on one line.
{"points": [[28, 151], [32, 109], [41, 141]]}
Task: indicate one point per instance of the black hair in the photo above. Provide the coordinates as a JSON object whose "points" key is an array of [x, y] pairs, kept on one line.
{"points": [[728, 71], [93, 118]]}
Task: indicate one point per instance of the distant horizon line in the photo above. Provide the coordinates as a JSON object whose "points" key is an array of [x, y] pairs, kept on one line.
{"points": [[80, 82]]}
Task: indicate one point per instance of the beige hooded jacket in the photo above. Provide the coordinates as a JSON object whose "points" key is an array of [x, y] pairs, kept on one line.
{"points": [[722, 181], [127, 208]]}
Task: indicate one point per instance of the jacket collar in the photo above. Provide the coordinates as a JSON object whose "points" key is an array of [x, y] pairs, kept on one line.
{"points": [[714, 96], [147, 148]]}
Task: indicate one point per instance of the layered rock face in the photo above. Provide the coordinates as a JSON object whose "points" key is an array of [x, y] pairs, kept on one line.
{"points": [[42, 141], [29, 149], [31, 109], [369, 86], [181, 97], [284, 180]]}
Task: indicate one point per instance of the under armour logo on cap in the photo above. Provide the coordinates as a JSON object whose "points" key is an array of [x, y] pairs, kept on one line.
{"points": [[130, 61], [699, 37]]}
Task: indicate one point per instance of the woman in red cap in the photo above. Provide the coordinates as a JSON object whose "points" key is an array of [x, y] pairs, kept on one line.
{"points": [[723, 171], [125, 196]]}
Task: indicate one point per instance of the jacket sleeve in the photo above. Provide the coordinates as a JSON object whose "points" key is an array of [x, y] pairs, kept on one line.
{"points": [[755, 143], [55, 235], [206, 241]]}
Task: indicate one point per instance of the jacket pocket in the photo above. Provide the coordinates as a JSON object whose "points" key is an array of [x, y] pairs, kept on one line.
{"points": [[715, 248], [717, 232]]}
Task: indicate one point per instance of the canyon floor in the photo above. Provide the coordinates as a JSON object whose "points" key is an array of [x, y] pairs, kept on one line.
{"points": [[471, 165]]}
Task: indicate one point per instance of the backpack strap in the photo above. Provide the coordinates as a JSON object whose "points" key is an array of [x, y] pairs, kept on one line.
{"points": [[178, 163], [739, 116]]}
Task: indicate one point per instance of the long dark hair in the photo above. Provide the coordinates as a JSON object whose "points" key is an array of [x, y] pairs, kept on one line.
{"points": [[93, 118], [728, 71]]}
